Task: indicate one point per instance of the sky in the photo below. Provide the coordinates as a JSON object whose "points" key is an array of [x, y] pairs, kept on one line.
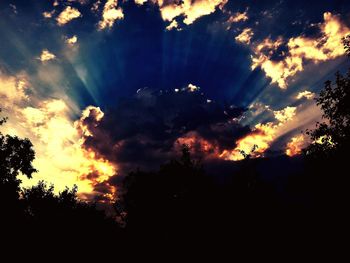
{"points": [[104, 87]]}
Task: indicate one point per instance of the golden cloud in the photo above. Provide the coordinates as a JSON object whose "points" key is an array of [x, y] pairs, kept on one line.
{"points": [[49, 14], [192, 88], [245, 36], [111, 13], [12, 90], [262, 135], [255, 143], [61, 157], [305, 94], [295, 146], [238, 17], [285, 114], [300, 50], [84, 129], [173, 25], [191, 10], [140, 2], [46, 56], [72, 40], [67, 15]]}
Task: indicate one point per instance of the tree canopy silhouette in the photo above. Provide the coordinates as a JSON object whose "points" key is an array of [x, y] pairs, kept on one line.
{"points": [[332, 136], [16, 156]]}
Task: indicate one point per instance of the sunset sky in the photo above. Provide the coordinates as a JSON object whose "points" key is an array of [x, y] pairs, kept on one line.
{"points": [[102, 87]]}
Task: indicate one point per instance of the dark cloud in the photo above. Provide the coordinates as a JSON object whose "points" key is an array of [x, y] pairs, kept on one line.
{"points": [[143, 131]]}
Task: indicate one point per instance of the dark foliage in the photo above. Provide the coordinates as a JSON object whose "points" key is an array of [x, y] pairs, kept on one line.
{"points": [[346, 42], [16, 156], [332, 137]]}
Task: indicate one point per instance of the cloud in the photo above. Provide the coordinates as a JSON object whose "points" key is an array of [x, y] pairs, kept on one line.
{"points": [[67, 15], [299, 50], [245, 36], [82, 2], [278, 71], [111, 13], [60, 157], [285, 114], [48, 14], [192, 88], [89, 119], [148, 129], [263, 135], [95, 6], [14, 8], [173, 25], [72, 40], [238, 17], [58, 140], [296, 144], [46, 56], [12, 90], [305, 94], [144, 131], [189, 10], [140, 2]]}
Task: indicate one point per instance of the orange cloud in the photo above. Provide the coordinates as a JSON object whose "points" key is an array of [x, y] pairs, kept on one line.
{"points": [[197, 144], [238, 17], [261, 136], [295, 146], [111, 13], [67, 15], [245, 36], [300, 50]]}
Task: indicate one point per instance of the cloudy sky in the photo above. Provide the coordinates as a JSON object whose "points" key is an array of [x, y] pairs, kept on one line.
{"points": [[102, 87]]}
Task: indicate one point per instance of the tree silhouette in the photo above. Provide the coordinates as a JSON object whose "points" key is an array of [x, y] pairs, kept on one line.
{"points": [[332, 137], [16, 156], [325, 180]]}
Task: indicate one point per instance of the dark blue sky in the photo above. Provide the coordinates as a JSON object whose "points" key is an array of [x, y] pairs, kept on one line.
{"points": [[138, 52]]}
